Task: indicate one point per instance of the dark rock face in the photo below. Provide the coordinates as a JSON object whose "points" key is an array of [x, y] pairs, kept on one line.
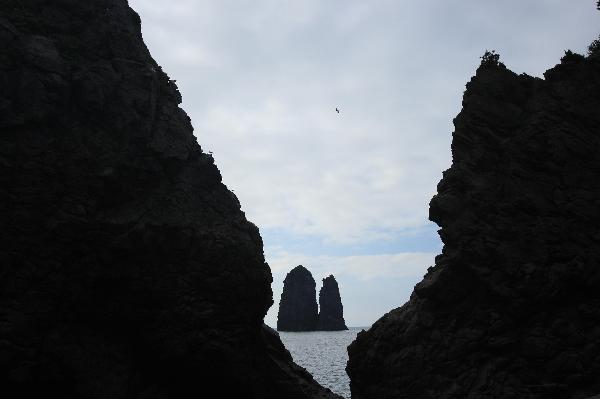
{"points": [[511, 308], [298, 306], [127, 269], [331, 310]]}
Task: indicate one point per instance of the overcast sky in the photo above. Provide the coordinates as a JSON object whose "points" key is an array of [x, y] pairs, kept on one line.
{"points": [[345, 193]]}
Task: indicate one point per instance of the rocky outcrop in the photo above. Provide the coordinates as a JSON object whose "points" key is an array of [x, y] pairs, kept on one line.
{"points": [[511, 308], [127, 268], [331, 310], [298, 309]]}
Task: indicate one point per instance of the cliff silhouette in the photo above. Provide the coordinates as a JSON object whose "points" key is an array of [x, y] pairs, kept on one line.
{"points": [[128, 268], [511, 308]]}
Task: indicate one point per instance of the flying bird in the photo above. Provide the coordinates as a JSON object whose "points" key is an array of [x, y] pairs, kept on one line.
{"points": [[337, 110]]}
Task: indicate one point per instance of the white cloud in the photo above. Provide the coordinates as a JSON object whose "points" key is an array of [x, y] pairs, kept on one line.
{"points": [[191, 54], [311, 171], [363, 267], [261, 81]]}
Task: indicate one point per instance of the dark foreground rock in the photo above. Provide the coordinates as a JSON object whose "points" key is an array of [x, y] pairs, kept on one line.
{"points": [[298, 309], [511, 308], [127, 269], [331, 310]]}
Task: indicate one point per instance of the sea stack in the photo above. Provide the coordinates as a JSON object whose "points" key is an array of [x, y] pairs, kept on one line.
{"points": [[127, 269], [331, 310], [511, 308], [298, 309]]}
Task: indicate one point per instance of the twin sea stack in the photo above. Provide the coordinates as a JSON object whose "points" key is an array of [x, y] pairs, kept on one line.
{"points": [[298, 306]]}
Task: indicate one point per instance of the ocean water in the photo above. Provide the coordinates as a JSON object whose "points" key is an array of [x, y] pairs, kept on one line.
{"points": [[324, 355]]}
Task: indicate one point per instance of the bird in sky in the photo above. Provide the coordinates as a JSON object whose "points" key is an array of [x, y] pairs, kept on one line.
{"points": [[337, 110]]}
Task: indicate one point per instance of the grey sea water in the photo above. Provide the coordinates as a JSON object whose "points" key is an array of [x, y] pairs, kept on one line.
{"points": [[324, 355]]}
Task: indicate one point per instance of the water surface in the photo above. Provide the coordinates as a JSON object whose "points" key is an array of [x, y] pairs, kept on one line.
{"points": [[324, 355]]}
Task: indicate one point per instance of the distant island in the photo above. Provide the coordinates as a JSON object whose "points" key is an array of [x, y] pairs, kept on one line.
{"points": [[298, 306]]}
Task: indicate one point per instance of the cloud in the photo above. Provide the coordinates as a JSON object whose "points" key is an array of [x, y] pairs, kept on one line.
{"points": [[261, 81], [364, 267], [314, 172]]}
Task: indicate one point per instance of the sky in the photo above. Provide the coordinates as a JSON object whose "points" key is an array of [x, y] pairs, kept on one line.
{"points": [[345, 194]]}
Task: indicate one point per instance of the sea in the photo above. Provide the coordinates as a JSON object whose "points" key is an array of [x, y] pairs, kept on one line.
{"points": [[324, 355]]}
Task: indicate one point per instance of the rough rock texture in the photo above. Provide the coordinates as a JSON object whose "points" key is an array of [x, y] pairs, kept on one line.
{"points": [[511, 308], [127, 269], [298, 309], [331, 310]]}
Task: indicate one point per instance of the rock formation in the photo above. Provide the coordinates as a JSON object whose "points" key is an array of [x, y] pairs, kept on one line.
{"points": [[331, 310], [298, 306], [511, 308], [127, 268]]}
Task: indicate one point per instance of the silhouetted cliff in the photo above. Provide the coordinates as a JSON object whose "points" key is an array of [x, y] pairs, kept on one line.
{"points": [[127, 268], [511, 308], [331, 311], [298, 309]]}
